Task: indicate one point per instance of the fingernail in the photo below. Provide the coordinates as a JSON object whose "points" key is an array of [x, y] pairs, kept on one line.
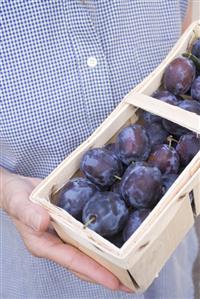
{"points": [[125, 289], [36, 221]]}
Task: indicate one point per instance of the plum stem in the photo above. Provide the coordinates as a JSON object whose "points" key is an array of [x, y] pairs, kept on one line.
{"points": [[193, 58], [92, 219], [117, 177], [186, 97], [170, 138]]}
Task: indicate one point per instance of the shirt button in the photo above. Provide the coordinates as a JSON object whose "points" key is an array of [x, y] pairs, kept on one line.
{"points": [[92, 61]]}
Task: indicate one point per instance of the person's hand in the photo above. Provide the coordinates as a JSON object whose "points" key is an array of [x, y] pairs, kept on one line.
{"points": [[33, 222]]}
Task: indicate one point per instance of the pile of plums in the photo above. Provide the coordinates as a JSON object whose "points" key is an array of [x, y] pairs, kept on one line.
{"points": [[123, 181]]}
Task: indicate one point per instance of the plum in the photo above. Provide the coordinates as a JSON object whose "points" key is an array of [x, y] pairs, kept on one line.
{"points": [[187, 147], [134, 221], [141, 186], [101, 167], [106, 213], [166, 158], [179, 75], [74, 195], [133, 144]]}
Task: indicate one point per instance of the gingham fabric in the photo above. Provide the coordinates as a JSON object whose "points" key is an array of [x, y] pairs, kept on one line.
{"points": [[66, 65]]}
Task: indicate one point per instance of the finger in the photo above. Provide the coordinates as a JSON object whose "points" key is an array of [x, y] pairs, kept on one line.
{"points": [[83, 277], [34, 181], [30, 214], [49, 246], [73, 259], [126, 289]]}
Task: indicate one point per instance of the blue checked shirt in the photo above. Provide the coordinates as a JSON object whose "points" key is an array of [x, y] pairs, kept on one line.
{"points": [[66, 65]]}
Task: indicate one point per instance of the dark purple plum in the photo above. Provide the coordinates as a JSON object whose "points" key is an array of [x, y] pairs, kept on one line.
{"points": [[195, 89], [108, 213], [134, 221], [126, 174], [196, 48], [156, 133], [74, 195], [168, 180], [187, 147], [141, 186], [100, 166], [179, 75], [133, 144], [166, 158]]}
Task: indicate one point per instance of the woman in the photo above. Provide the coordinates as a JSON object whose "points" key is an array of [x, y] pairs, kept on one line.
{"points": [[66, 65]]}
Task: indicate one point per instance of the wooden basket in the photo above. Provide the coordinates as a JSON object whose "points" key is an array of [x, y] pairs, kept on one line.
{"points": [[141, 258]]}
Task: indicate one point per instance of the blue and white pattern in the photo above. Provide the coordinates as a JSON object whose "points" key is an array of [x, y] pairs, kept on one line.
{"points": [[66, 65]]}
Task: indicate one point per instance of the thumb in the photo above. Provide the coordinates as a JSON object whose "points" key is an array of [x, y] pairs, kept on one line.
{"points": [[30, 214]]}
